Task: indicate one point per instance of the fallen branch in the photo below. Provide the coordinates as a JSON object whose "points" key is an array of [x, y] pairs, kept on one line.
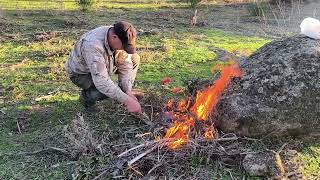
{"points": [[164, 142], [147, 143], [101, 174], [278, 160], [142, 155], [154, 167], [18, 125], [127, 151]]}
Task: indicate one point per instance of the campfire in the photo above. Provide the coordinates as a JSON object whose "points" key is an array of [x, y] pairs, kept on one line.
{"points": [[192, 118]]}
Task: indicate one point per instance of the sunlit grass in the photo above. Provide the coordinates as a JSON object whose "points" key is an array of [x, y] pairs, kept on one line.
{"points": [[72, 5], [310, 158], [189, 54]]}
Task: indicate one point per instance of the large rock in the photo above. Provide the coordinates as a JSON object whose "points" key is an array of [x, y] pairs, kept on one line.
{"points": [[279, 93]]}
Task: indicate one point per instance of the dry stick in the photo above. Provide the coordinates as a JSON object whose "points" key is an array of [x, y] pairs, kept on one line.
{"points": [[151, 117], [154, 167], [160, 143], [278, 160], [2, 111], [127, 151], [136, 171], [100, 175], [142, 155], [18, 127]]}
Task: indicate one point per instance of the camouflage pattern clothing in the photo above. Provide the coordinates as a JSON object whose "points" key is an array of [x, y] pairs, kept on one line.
{"points": [[92, 63]]}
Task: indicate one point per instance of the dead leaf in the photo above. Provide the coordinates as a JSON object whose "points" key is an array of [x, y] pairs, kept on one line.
{"points": [[166, 80], [177, 90]]}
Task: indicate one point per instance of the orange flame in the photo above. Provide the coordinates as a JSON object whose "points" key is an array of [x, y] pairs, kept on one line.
{"points": [[210, 133], [205, 101], [208, 98]]}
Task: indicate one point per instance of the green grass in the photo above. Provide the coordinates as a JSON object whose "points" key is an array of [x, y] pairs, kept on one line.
{"points": [[310, 158], [72, 5], [43, 100]]}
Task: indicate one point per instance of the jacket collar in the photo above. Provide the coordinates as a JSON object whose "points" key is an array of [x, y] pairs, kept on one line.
{"points": [[106, 44]]}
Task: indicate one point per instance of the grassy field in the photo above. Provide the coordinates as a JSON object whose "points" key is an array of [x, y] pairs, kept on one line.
{"points": [[38, 100]]}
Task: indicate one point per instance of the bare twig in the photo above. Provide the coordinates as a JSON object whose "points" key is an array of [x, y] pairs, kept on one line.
{"points": [[117, 145], [151, 116], [136, 171], [101, 174], [154, 167], [250, 139], [142, 155], [3, 112], [142, 135], [278, 160], [127, 151], [18, 127], [282, 147]]}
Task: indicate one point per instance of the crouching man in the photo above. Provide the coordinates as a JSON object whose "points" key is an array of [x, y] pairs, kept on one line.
{"points": [[100, 53]]}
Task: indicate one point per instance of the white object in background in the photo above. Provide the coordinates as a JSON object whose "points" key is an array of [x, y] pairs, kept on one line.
{"points": [[311, 28]]}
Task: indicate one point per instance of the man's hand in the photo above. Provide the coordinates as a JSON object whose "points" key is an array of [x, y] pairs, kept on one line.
{"points": [[133, 105], [130, 94]]}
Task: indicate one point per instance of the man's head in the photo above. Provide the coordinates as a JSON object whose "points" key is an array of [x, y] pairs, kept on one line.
{"points": [[124, 37]]}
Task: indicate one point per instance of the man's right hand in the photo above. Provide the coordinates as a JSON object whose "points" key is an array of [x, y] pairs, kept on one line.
{"points": [[133, 106]]}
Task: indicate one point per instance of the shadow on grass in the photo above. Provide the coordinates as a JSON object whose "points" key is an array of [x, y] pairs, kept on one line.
{"points": [[35, 127], [30, 128]]}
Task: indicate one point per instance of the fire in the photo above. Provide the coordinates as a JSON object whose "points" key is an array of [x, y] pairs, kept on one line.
{"points": [[210, 133], [208, 98], [185, 115]]}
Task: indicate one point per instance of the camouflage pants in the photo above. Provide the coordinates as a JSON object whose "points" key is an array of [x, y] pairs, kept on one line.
{"points": [[89, 91]]}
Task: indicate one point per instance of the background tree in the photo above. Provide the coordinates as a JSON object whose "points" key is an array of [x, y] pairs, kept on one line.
{"points": [[193, 5]]}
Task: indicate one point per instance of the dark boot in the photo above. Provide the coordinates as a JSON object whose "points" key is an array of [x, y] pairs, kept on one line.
{"points": [[89, 97], [89, 104]]}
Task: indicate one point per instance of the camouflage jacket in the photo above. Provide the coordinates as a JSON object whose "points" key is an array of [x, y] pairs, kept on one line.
{"points": [[92, 54]]}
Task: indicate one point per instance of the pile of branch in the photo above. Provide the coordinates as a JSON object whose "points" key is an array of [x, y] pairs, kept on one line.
{"points": [[144, 159]]}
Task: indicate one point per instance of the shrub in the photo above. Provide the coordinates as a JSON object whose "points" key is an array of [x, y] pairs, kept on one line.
{"points": [[85, 4], [258, 8], [194, 3]]}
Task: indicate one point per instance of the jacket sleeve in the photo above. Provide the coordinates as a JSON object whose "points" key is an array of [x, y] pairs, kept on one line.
{"points": [[125, 68], [101, 79]]}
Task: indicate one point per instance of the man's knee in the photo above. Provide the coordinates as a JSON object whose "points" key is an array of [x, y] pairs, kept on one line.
{"points": [[95, 95], [83, 81]]}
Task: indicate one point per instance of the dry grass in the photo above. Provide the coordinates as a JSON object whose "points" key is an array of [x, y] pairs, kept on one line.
{"points": [[81, 137]]}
